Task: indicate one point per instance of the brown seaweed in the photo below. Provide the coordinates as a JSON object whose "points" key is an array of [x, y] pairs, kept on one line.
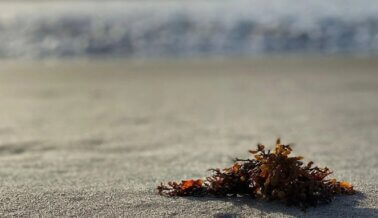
{"points": [[270, 176]]}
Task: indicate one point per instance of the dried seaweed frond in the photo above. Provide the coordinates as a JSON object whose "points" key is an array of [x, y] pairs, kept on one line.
{"points": [[270, 176]]}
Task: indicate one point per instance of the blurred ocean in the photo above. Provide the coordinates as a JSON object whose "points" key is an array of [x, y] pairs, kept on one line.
{"points": [[178, 28]]}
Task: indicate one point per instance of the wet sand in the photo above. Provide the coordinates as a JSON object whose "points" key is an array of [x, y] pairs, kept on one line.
{"points": [[95, 137]]}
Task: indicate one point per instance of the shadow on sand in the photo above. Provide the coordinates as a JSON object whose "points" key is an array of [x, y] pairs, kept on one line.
{"points": [[341, 206]]}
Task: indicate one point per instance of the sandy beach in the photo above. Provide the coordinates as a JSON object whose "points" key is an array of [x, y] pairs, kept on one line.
{"points": [[95, 137]]}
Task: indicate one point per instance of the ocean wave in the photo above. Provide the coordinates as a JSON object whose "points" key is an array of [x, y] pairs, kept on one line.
{"points": [[174, 28]]}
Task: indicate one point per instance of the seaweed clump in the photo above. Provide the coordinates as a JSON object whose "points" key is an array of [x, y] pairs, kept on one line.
{"points": [[269, 176]]}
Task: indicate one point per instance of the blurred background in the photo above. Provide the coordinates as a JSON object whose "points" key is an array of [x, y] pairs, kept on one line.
{"points": [[100, 101], [180, 28]]}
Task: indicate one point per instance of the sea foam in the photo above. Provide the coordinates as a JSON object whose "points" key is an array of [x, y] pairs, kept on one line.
{"points": [[176, 28]]}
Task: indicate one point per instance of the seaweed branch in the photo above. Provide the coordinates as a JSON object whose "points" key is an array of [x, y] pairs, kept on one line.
{"points": [[269, 176]]}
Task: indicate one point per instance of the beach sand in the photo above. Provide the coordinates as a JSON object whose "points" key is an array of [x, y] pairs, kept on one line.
{"points": [[95, 137]]}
